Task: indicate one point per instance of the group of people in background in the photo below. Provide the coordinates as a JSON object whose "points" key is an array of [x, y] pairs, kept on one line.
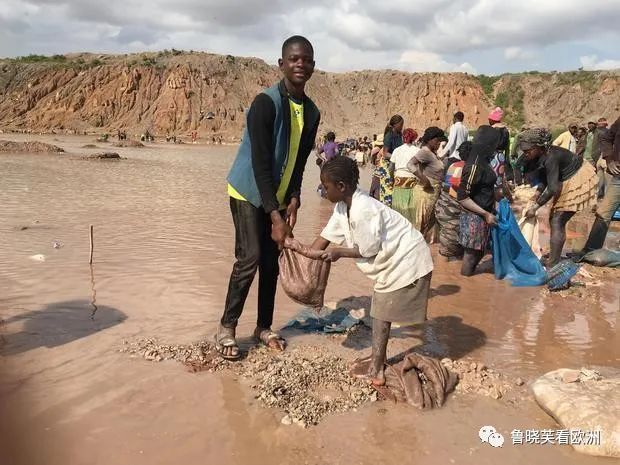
{"points": [[423, 187], [448, 185]]}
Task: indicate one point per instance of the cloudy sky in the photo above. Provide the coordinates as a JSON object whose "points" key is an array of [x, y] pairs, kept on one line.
{"points": [[476, 36]]}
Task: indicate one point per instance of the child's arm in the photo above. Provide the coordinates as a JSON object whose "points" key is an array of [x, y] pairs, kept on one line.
{"points": [[315, 251], [335, 253]]}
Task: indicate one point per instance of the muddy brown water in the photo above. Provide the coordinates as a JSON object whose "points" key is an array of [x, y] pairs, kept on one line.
{"points": [[163, 254]]}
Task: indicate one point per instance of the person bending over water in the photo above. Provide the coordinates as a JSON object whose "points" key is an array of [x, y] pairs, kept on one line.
{"points": [[570, 183], [387, 249]]}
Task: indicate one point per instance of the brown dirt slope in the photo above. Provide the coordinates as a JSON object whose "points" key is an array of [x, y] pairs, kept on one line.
{"points": [[177, 92]]}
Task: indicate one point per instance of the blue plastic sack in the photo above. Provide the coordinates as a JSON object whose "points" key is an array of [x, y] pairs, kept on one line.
{"points": [[513, 258], [327, 321]]}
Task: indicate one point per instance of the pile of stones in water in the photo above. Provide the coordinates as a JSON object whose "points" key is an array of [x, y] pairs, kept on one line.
{"points": [[307, 383], [477, 378]]}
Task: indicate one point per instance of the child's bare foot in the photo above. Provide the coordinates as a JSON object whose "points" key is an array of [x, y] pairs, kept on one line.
{"points": [[363, 369]]}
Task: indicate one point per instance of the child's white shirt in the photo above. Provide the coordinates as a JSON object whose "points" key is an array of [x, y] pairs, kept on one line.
{"points": [[395, 253]]}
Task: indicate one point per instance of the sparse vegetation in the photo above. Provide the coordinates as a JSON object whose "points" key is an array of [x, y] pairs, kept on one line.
{"points": [[148, 61], [487, 83], [585, 79]]}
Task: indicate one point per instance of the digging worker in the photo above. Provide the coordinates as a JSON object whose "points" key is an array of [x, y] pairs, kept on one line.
{"points": [[264, 187]]}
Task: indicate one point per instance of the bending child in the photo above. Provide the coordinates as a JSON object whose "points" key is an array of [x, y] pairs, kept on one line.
{"points": [[387, 249]]}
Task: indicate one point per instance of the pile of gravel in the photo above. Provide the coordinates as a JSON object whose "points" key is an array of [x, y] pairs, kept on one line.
{"points": [[306, 382]]}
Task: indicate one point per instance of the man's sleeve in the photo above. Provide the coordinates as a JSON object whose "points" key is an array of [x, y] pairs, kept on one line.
{"points": [[260, 128], [450, 145], [558, 141], [610, 142]]}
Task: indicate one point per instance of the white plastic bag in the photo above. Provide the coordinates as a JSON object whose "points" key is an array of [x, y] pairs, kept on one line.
{"points": [[529, 229]]}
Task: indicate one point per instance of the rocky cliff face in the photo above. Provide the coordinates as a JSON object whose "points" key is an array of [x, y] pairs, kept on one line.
{"points": [[174, 93]]}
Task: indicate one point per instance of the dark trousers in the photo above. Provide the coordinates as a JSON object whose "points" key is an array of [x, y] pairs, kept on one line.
{"points": [[254, 250], [604, 213]]}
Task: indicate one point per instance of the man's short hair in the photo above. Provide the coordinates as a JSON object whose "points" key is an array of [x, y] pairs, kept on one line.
{"points": [[459, 116], [296, 40]]}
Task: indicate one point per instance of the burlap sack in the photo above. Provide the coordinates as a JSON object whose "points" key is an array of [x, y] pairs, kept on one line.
{"points": [[303, 279]]}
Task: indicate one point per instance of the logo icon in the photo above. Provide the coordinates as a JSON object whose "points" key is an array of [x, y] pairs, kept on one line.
{"points": [[490, 435]]}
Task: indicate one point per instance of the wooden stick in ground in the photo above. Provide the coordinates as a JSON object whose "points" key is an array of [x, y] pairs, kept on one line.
{"points": [[90, 260]]}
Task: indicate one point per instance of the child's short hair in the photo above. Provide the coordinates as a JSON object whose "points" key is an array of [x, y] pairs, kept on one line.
{"points": [[342, 169]]}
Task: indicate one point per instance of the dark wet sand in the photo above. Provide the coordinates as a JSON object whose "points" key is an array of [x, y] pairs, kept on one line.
{"points": [[163, 253]]}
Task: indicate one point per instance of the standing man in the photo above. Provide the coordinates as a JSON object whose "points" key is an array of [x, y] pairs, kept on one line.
{"points": [[610, 151], [599, 162], [568, 139], [264, 186], [458, 135]]}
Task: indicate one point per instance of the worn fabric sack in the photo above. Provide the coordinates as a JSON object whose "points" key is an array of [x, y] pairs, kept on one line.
{"points": [[602, 257], [303, 279]]}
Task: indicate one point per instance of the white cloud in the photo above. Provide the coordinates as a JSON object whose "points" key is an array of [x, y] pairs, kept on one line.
{"points": [[347, 34], [415, 60], [517, 53], [591, 62]]}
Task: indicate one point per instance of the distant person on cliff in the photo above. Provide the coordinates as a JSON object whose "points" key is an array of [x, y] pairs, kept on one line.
{"points": [[568, 139], [610, 149], [264, 186], [458, 134], [392, 139]]}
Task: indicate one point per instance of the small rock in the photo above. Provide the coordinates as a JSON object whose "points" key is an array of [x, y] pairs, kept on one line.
{"points": [[571, 376], [472, 366], [286, 420], [519, 382]]}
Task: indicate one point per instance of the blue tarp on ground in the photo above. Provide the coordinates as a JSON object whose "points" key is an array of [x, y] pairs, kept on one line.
{"points": [[513, 258], [327, 321]]}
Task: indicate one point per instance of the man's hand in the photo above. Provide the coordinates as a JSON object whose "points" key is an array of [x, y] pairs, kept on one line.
{"points": [[613, 167], [291, 212], [280, 229], [490, 219]]}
